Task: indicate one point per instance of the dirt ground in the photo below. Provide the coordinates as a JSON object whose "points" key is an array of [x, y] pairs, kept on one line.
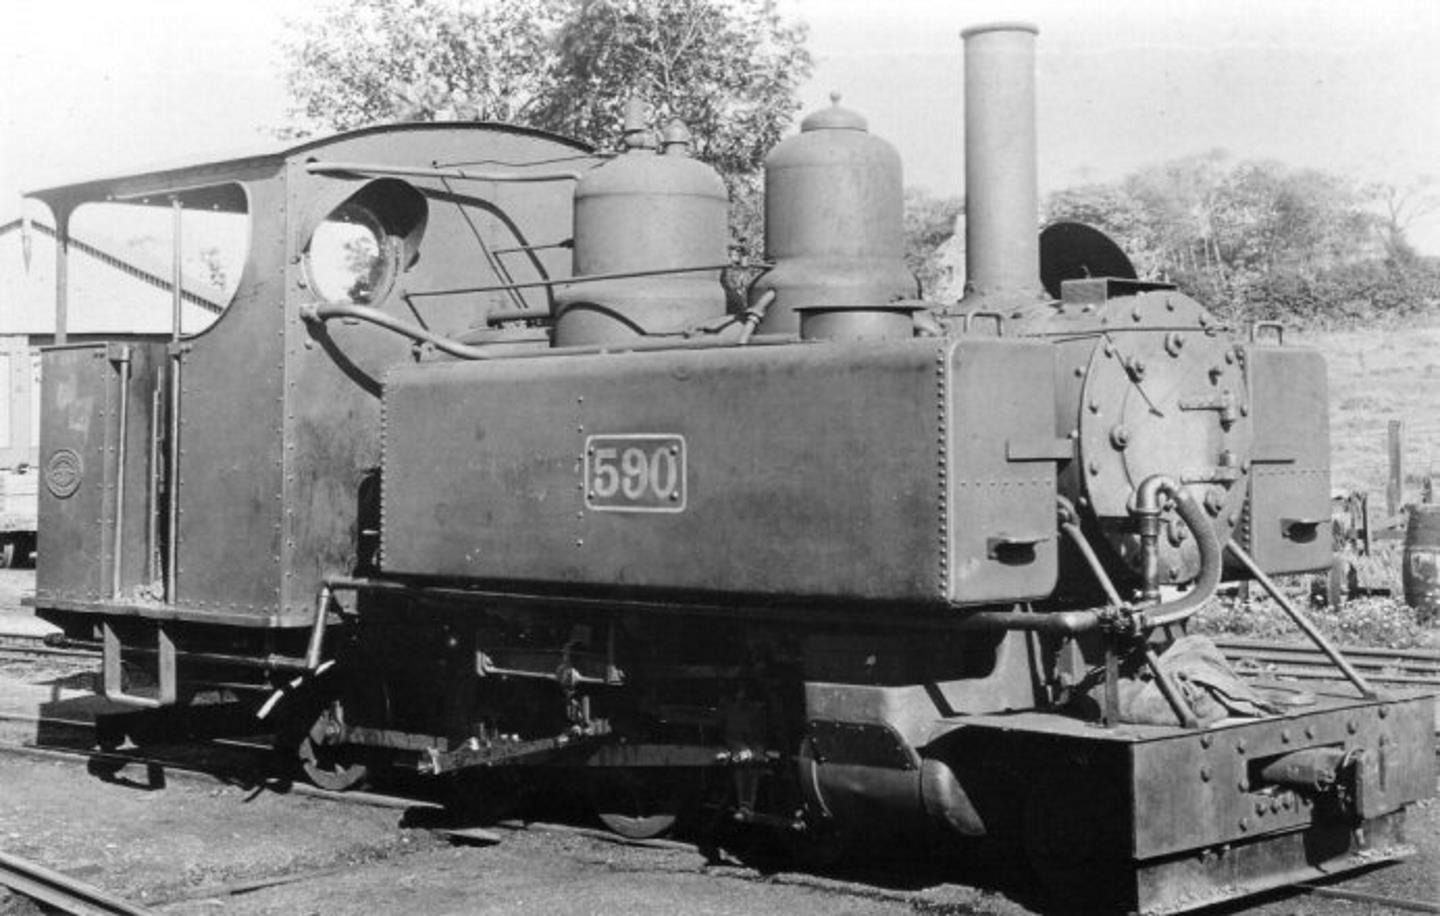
{"points": [[176, 847], [176, 842]]}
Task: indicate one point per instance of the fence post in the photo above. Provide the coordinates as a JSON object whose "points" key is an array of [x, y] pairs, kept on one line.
{"points": [[1395, 489]]}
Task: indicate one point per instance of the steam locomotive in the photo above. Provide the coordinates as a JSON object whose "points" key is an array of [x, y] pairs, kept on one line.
{"points": [[506, 478]]}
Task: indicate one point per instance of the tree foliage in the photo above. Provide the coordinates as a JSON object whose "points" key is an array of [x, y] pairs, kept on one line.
{"points": [[728, 68], [1260, 240], [929, 225]]}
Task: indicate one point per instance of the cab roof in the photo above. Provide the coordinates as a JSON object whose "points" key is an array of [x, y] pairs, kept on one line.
{"points": [[212, 185]]}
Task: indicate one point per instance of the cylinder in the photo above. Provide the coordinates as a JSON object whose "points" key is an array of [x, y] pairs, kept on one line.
{"points": [[1420, 572], [645, 213], [834, 227], [1002, 243]]}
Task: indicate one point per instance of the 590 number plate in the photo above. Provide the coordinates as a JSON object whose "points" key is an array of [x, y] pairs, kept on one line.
{"points": [[635, 473]]}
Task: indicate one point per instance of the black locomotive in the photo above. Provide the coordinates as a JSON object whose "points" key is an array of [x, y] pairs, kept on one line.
{"points": [[524, 486]]}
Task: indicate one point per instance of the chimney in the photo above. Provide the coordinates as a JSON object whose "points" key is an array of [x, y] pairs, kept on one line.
{"points": [[1002, 247]]}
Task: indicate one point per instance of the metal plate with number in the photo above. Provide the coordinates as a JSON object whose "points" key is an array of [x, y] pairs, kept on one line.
{"points": [[637, 472]]}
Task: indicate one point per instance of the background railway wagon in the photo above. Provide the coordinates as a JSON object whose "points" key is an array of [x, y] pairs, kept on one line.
{"points": [[117, 291]]}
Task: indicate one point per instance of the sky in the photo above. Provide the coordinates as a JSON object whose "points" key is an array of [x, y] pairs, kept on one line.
{"points": [[101, 87]]}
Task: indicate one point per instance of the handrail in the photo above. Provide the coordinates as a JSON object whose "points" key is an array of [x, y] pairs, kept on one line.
{"points": [[372, 168]]}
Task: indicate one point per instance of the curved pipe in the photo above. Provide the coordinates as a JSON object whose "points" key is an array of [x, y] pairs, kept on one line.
{"points": [[1147, 506], [324, 311]]}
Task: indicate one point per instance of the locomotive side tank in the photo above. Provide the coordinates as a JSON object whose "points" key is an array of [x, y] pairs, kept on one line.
{"points": [[842, 564]]}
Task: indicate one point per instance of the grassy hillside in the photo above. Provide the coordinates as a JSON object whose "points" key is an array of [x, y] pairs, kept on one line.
{"points": [[1377, 376]]}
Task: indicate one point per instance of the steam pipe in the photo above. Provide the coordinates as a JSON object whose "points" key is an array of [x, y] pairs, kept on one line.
{"points": [[1002, 242], [1147, 506], [322, 312], [1063, 623]]}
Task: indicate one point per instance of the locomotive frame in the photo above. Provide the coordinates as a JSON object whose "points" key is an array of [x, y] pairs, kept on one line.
{"points": [[861, 562]]}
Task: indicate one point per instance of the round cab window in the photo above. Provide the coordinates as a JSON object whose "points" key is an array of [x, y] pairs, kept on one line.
{"points": [[347, 259]]}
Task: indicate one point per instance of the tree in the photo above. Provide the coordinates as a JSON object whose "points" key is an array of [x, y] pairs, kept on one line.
{"points": [[363, 62], [729, 68], [929, 224], [1260, 239], [1401, 206]]}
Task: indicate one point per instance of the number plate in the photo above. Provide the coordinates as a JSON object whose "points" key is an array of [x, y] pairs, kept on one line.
{"points": [[635, 473]]}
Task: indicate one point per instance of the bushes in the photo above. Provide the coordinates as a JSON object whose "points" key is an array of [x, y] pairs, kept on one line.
{"points": [[1378, 622], [1365, 293]]}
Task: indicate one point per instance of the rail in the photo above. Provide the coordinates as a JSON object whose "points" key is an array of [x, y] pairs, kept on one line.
{"points": [[62, 892], [1412, 667]]}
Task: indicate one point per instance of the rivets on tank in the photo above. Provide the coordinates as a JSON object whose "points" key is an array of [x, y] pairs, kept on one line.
{"points": [[1206, 741], [1244, 824], [1260, 807], [1384, 712], [1205, 774], [1093, 468], [1094, 406], [1351, 727], [1120, 436], [1309, 732], [1284, 736], [1239, 745]]}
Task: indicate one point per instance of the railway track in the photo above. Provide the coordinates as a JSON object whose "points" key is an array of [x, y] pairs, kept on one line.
{"points": [[247, 765], [62, 892], [1418, 668]]}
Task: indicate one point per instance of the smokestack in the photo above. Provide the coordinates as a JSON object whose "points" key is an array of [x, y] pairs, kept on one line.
{"points": [[1002, 247]]}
